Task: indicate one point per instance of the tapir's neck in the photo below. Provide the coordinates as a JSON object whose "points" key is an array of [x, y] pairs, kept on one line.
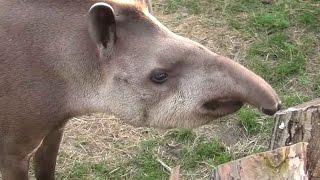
{"points": [[74, 57]]}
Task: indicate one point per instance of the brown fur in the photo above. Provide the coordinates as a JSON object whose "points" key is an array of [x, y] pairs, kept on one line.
{"points": [[51, 70]]}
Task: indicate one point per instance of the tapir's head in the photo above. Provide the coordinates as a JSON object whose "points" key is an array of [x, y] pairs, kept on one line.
{"points": [[153, 77]]}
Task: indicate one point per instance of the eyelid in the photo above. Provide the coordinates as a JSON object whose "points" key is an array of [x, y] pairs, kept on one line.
{"points": [[155, 73], [172, 70]]}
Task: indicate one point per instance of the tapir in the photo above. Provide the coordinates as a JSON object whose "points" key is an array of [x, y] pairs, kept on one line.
{"points": [[65, 58]]}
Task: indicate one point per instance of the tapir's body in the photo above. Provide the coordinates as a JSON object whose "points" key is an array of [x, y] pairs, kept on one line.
{"points": [[54, 67]]}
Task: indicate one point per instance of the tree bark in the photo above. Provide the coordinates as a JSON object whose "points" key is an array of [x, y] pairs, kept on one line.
{"points": [[286, 163], [295, 149], [300, 124], [295, 124]]}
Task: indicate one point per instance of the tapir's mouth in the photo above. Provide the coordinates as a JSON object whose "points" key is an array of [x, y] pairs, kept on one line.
{"points": [[222, 106]]}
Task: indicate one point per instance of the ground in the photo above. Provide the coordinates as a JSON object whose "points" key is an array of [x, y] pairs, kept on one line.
{"points": [[279, 40]]}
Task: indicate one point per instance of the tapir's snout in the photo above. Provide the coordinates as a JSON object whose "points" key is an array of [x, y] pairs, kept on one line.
{"points": [[240, 86], [271, 112]]}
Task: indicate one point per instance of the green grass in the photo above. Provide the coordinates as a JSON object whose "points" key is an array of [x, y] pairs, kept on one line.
{"points": [[89, 170], [190, 152], [248, 120], [274, 54], [277, 53], [253, 123], [270, 21], [145, 162], [210, 151], [144, 165], [182, 135], [294, 99], [193, 6], [307, 18], [276, 59]]}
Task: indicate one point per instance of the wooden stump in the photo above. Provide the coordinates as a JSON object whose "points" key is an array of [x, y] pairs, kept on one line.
{"points": [[286, 163], [300, 124], [295, 149], [295, 124]]}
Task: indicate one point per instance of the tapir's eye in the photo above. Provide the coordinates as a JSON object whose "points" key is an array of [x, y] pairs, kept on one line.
{"points": [[159, 76]]}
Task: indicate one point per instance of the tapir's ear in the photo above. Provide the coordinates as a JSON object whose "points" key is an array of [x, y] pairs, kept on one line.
{"points": [[102, 24]]}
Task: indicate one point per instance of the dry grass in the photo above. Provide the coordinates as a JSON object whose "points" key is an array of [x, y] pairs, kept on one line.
{"points": [[99, 137], [215, 34]]}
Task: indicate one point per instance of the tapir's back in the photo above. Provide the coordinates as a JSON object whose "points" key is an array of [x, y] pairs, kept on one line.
{"points": [[29, 86]]}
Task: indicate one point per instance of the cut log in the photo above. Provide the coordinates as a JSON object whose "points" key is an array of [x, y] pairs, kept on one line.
{"points": [[284, 163], [286, 160], [300, 124], [295, 124]]}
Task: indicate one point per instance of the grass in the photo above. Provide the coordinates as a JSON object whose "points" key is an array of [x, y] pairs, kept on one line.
{"points": [[87, 170], [253, 123], [270, 21], [317, 86], [294, 99], [191, 5], [277, 40], [278, 58], [183, 148], [283, 35], [182, 135], [248, 120], [184, 151]]}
